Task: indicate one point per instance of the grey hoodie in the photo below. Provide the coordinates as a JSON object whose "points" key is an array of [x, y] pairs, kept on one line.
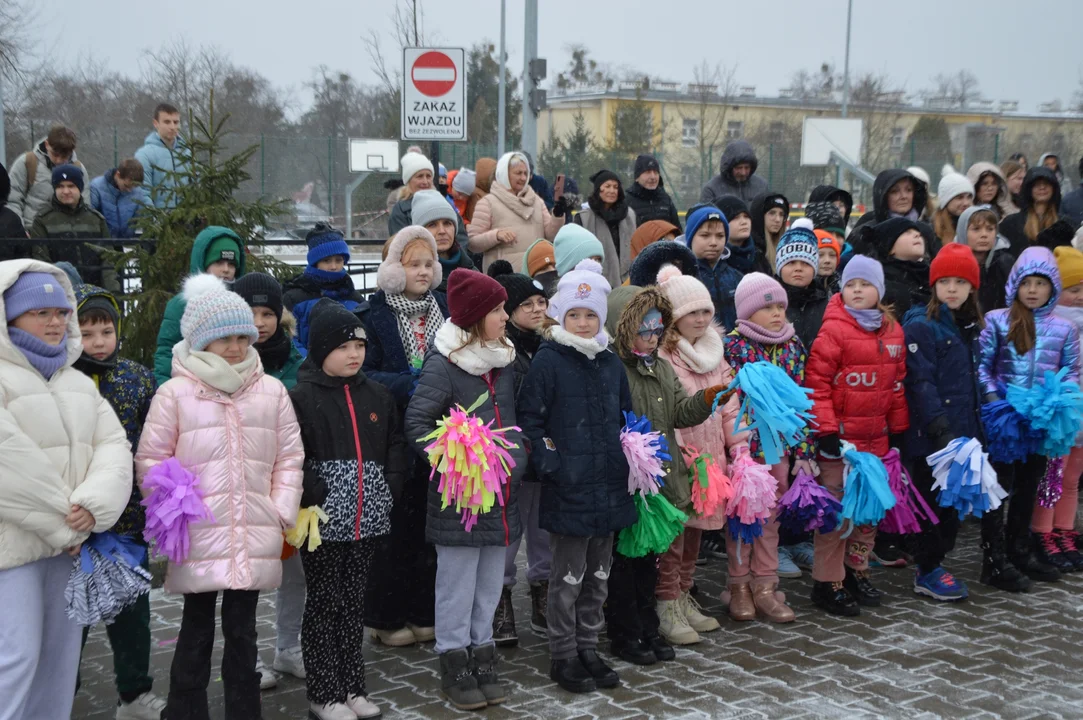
{"points": [[737, 152], [997, 266]]}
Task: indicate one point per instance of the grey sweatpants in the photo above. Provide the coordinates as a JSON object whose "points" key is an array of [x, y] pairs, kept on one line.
{"points": [[578, 584], [39, 645], [468, 585], [290, 603], [538, 554]]}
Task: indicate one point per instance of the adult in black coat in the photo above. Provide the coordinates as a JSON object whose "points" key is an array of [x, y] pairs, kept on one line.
{"points": [[1042, 204], [11, 225], [907, 201], [648, 196], [571, 413]]}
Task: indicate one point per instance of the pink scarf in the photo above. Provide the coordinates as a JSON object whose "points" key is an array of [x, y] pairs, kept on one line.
{"points": [[755, 332]]}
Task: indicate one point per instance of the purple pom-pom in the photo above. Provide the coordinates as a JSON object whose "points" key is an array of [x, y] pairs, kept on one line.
{"points": [[173, 504], [808, 506]]}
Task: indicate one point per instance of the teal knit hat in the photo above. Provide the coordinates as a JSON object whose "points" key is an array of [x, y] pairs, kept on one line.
{"points": [[213, 312], [572, 244]]}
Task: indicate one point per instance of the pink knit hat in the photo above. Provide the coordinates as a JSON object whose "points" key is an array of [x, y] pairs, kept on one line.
{"points": [[685, 293], [755, 292]]}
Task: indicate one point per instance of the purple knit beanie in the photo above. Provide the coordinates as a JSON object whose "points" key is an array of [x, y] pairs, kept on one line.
{"points": [[34, 291], [867, 269], [755, 292]]}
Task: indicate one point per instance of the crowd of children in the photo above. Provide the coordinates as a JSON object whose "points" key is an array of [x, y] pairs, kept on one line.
{"points": [[307, 407]]}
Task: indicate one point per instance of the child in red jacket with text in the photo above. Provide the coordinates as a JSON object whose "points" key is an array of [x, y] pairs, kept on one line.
{"points": [[856, 372]]}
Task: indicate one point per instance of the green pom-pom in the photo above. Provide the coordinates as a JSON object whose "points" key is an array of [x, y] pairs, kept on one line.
{"points": [[658, 526]]}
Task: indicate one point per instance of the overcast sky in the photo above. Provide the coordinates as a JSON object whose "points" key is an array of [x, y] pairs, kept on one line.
{"points": [[1017, 54]]}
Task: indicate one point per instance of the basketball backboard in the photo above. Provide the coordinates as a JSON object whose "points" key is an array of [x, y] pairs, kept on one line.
{"points": [[822, 136], [374, 155]]}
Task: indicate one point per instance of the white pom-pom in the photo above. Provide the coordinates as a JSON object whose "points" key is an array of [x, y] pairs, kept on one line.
{"points": [[201, 284], [948, 169], [668, 272], [802, 223], [588, 264]]}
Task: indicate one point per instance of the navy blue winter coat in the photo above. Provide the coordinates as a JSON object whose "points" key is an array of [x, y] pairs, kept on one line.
{"points": [[721, 282], [116, 206], [570, 410], [385, 357], [300, 294], [942, 388]]}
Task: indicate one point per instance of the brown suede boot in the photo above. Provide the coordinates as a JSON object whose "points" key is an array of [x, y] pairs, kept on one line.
{"points": [[741, 607], [771, 604]]}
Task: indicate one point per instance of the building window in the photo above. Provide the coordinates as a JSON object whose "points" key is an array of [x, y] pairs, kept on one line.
{"points": [[734, 129], [690, 132], [898, 137], [689, 175]]}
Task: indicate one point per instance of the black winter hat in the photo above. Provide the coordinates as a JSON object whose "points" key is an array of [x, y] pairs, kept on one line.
{"points": [[260, 289], [884, 234], [644, 269], [732, 206], [643, 164], [330, 324], [1060, 233], [602, 176], [825, 216], [518, 286]]}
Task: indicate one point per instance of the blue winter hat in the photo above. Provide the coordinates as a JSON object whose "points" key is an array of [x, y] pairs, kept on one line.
{"points": [[798, 244], [323, 242], [700, 215], [68, 173], [572, 244], [34, 291]]}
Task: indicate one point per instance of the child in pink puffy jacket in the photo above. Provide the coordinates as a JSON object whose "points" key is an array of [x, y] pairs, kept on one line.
{"points": [[234, 427]]}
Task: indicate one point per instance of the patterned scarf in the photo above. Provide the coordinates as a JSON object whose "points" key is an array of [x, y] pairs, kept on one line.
{"points": [[418, 322]]}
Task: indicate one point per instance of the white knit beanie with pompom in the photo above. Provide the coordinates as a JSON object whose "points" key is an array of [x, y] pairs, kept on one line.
{"points": [[213, 312], [685, 293]]}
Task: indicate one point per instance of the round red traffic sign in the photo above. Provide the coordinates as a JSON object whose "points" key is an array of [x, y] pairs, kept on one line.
{"points": [[434, 74]]}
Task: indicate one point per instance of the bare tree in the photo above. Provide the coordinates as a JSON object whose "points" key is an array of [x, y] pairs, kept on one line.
{"points": [[15, 44], [956, 90], [711, 92], [818, 85], [878, 102], [583, 69]]}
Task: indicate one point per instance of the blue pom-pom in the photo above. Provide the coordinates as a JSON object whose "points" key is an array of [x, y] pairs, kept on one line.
{"points": [[776, 407], [1010, 437], [867, 495], [965, 479], [744, 532], [1054, 408]]}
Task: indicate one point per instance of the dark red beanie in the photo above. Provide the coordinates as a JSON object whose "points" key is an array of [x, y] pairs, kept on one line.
{"points": [[471, 295]]}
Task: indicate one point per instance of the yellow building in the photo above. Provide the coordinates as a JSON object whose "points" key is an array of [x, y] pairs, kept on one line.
{"points": [[691, 125]]}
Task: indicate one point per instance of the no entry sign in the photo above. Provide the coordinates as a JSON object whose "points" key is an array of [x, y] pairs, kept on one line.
{"points": [[433, 94]]}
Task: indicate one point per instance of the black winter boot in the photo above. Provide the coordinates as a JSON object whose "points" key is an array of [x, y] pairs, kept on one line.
{"points": [[1047, 549], [1033, 566], [539, 600], [504, 634], [457, 683], [834, 599], [483, 661], [995, 568], [604, 676], [571, 675], [859, 586]]}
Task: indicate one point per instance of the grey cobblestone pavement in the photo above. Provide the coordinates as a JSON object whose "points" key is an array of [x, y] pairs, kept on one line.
{"points": [[996, 655]]}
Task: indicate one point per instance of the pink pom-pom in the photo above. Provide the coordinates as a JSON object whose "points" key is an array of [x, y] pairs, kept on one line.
{"points": [[910, 507], [754, 490], [645, 451], [174, 502], [711, 488], [668, 272]]}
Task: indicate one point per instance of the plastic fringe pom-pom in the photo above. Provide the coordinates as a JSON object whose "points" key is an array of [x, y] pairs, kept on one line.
{"points": [[711, 488], [1054, 408], [866, 495], [658, 525], [754, 490], [1051, 486], [174, 502], [307, 527], [1010, 437], [776, 407], [808, 506], [910, 507], [107, 578], [472, 460], [965, 479], [645, 450]]}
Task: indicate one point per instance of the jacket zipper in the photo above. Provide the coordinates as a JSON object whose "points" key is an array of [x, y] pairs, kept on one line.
{"points": [[489, 380], [360, 463]]}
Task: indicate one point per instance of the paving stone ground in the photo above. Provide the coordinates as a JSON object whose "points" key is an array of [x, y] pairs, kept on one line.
{"points": [[996, 656]]}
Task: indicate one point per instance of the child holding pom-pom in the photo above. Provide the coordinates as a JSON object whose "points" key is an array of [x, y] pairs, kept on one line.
{"points": [[693, 346], [471, 359], [637, 319], [224, 420], [1055, 526], [944, 400], [65, 472], [856, 371], [571, 411], [764, 335], [355, 463], [1018, 346]]}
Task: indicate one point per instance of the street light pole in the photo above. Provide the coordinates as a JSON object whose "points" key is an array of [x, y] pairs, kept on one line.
{"points": [[846, 67], [501, 130], [530, 52]]}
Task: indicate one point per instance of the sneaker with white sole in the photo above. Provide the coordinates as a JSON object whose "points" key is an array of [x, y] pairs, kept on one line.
{"points": [[787, 568], [802, 554], [147, 706], [267, 677], [290, 661], [331, 711], [393, 638], [694, 617], [362, 707]]}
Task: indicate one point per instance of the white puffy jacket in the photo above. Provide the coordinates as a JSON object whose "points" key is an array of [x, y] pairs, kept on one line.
{"points": [[61, 444]]}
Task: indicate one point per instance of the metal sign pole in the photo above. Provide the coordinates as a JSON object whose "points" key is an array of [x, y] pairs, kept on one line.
{"points": [[349, 202]]}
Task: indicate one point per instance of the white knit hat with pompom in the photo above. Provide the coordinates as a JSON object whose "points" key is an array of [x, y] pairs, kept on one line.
{"points": [[213, 312], [685, 293]]}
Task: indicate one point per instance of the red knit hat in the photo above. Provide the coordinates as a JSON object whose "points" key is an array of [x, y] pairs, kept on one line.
{"points": [[955, 260], [471, 295]]}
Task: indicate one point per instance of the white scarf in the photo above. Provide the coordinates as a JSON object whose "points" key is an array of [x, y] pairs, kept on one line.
{"points": [[590, 347], [703, 357], [214, 370], [475, 357]]}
